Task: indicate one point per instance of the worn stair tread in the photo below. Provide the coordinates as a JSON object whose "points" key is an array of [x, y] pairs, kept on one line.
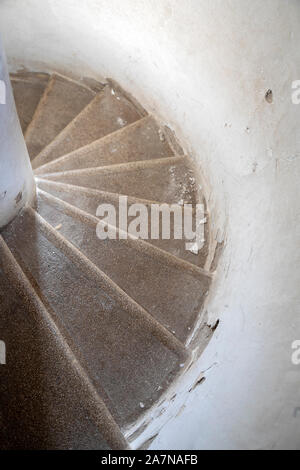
{"points": [[45, 405], [124, 354], [169, 180], [171, 290], [108, 112], [88, 200], [142, 140], [28, 88], [62, 100], [120, 312]]}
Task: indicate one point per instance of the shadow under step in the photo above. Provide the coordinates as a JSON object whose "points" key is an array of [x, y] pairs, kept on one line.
{"points": [[89, 200], [39, 386], [108, 112], [142, 140], [128, 356], [62, 100], [28, 88], [170, 289]]}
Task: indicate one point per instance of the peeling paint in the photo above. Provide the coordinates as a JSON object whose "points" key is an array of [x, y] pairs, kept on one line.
{"points": [[19, 197]]}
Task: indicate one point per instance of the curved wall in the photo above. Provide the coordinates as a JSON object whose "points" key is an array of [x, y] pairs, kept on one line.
{"points": [[204, 68]]}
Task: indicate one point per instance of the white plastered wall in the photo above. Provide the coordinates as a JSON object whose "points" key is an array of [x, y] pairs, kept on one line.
{"points": [[204, 67]]}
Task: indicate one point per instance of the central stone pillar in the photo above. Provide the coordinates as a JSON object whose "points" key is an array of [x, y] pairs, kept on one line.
{"points": [[17, 187]]}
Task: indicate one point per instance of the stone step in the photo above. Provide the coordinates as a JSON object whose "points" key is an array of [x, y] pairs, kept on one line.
{"points": [[108, 112], [142, 140], [89, 200], [169, 180], [126, 354], [47, 402], [28, 88], [62, 100], [170, 289]]}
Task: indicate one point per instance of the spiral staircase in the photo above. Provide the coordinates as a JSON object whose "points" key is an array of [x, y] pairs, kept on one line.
{"points": [[96, 330]]}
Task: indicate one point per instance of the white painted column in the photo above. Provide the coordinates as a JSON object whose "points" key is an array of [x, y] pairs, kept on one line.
{"points": [[17, 186]]}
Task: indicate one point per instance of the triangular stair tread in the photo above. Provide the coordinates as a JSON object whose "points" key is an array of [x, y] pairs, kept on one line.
{"points": [[62, 100], [126, 356], [171, 290], [28, 88], [142, 140], [169, 180], [108, 112], [54, 187], [45, 404], [89, 200]]}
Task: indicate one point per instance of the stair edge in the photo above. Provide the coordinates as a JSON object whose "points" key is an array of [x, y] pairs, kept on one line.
{"points": [[113, 434]]}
